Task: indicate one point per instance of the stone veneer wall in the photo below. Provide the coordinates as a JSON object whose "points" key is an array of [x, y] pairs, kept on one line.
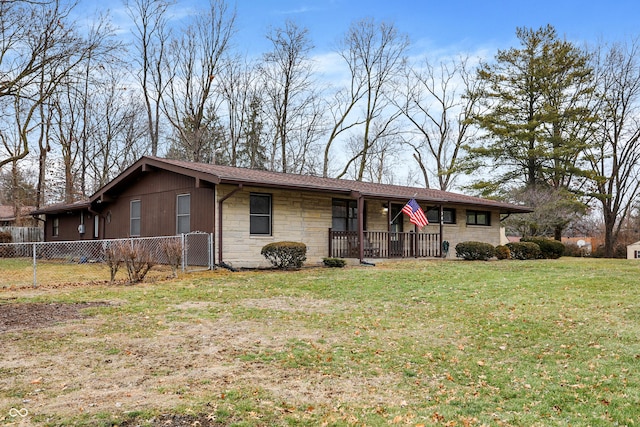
{"points": [[306, 217]]}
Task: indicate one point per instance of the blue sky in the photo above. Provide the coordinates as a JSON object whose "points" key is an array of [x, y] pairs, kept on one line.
{"points": [[444, 25]]}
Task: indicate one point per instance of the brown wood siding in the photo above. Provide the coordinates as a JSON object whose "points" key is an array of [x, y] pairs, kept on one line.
{"points": [[68, 227], [157, 191]]}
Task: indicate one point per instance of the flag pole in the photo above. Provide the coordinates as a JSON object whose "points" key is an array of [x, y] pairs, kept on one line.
{"points": [[400, 213]]}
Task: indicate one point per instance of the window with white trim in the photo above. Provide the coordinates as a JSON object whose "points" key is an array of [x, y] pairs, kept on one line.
{"points": [[183, 214], [135, 218]]}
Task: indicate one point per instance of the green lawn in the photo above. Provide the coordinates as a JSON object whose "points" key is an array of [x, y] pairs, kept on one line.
{"points": [[511, 343]]}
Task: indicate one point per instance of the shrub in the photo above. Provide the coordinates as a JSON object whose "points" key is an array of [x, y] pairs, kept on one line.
{"points": [[137, 257], [6, 251], [334, 262], [524, 250], [114, 256], [549, 249], [5, 237], [475, 251], [285, 255], [172, 251], [503, 252]]}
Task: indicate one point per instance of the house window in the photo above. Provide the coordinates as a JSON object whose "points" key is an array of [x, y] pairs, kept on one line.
{"points": [[636, 254], [96, 226], [134, 229], [448, 215], [260, 214], [56, 227], [183, 214], [344, 215], [478, 218]]}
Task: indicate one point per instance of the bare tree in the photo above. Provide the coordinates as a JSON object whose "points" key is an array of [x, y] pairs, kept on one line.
{"points": [[151, 39], [117, 130], [238, 90], [292, 103], [438, 101], [39, 48], [374, 54], [614, 157], [196, 59]]}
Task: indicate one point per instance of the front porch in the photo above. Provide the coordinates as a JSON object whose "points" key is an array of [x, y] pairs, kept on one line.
{"points": [[384, 244]]}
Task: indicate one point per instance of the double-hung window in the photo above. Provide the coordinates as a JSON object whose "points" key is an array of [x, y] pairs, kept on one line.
{"points": [[56, 227], [260, 212], [134, 218], [183, 214]]}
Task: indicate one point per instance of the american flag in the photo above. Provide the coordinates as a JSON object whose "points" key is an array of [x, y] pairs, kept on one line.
{"points": [[415, 212]]}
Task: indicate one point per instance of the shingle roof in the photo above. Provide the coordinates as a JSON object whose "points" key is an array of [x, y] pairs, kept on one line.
{"points": [[7, 212], [62, 207], [233, 175], [218, 174]]}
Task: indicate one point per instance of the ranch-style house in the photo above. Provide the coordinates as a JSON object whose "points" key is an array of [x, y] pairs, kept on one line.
{"points": [[244, 209]]}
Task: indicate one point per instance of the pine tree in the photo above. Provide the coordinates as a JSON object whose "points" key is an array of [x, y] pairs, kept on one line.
{"points": [[537, 118]]}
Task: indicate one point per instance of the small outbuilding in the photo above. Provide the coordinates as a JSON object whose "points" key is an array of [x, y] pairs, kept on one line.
{"points": [[633, 251]]}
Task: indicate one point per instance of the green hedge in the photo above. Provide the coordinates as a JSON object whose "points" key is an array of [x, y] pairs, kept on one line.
{"points": [[475, 251], [524, 250], [285, 255], [549, 249], [334, 262]]}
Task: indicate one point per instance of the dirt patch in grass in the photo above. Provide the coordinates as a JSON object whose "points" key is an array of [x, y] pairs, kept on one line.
{"points": [[39, 315], [63, 363]]}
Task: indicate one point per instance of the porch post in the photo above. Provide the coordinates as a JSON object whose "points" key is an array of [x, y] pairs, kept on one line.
{"points": [[389, 228], [442, 254], [361, 226]]}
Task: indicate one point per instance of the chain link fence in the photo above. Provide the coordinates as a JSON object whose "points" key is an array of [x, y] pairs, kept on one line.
{"points": [[86, 261]]}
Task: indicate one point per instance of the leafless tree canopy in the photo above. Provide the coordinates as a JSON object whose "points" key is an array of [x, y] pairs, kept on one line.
{"points": [[79, 104]]}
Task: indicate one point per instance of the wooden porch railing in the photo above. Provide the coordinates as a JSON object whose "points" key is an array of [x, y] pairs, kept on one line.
{"points": [[384, 244]]}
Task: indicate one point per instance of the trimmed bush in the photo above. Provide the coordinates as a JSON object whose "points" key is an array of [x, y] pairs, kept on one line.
{"points": [[285, 255], [503, 252], [473, 251], [524, 250], [334, 262], [550, 249]]}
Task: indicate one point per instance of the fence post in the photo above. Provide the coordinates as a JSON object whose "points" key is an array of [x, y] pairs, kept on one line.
{"points": [[210, 251], [184, 251], [35, 280]]}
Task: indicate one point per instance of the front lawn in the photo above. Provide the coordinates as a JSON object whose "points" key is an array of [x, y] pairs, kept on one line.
{"points": [[513, 343]]}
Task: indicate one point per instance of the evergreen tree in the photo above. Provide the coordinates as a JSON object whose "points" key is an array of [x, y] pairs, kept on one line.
{"points": [[537, 116]]}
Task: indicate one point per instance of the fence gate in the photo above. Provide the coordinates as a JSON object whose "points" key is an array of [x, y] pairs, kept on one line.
{"points": [[197, 251]]}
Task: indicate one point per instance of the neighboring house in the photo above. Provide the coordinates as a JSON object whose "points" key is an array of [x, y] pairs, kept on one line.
{"points": [[8, 216], [633, 251], [245, 209]]}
